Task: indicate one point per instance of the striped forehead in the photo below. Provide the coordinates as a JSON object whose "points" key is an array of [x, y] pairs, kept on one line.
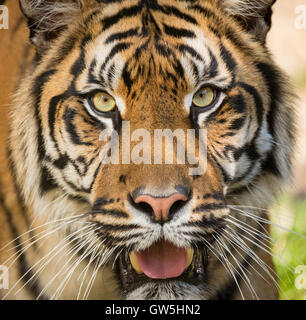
{"points": [[196, 51]]}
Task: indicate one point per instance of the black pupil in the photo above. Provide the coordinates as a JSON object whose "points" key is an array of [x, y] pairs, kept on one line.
{"points": [[202, 94]]}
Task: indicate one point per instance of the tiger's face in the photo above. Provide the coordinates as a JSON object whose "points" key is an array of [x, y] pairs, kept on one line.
{"points": [[153, 65]]}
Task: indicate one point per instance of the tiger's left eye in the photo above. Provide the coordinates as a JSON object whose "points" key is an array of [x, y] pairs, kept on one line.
{"points": [[103, 102], [204, 97]]}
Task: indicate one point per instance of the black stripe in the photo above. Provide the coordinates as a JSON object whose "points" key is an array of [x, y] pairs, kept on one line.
{"points": [[179, 14], [273, 80], [69, 117], [115, 50], [208, 207], [237, 102], [37, 90], [79, 65], [213, 68], [62, 161], [116, 227], [111, 212], [216, 195], [53, 104], [91, 77], [207, 222], [100, 202], [17, 188], [110, 74], [225, 175], [185, 48], [237, 123], [195, 71], [47, 182], [163, 50], [178, 32], [227, 58], [127, 78], [177, 66], [214, 31], [24, 269], [141, 48], [108, 22], [207, 13], [122, 35], [257, 99], [75, 188]]}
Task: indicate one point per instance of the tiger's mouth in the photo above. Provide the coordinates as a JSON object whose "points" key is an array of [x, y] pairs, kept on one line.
{"points": [[162, 262]]}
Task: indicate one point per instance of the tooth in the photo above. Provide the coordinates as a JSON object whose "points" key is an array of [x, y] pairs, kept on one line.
{"points": [[135, 263], [189, 257]]}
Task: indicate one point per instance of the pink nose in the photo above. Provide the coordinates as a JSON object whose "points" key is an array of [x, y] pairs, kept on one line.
{"points": [[161, 206]]}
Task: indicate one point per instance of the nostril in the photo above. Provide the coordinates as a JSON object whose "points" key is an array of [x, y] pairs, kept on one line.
{"points": [[160, 209], [176, 207], [141, 206]]}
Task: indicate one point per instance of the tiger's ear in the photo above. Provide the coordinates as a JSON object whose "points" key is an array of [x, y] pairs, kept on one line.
{"points": [[47, 18], [255, 16]]}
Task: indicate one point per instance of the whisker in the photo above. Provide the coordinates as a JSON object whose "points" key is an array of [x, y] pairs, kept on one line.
{"points": [[75, 251], [243, 275], [241, 243], [265, 248], [40, 260], [254, 217], [93, 255], [38, 227], [230, 269]]}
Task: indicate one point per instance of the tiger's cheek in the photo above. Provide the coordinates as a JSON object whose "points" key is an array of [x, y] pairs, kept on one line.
{"points": [[73, 145], [209, 191]]}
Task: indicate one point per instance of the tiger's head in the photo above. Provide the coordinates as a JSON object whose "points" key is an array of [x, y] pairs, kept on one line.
{"points": [[160, 66]]}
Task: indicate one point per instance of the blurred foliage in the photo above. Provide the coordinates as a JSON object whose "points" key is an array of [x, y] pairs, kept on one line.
{"points": [[300, 79], [289, 231]]}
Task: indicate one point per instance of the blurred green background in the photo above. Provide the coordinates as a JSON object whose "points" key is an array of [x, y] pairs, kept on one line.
{"points": [[289, 213], [288, 45]]}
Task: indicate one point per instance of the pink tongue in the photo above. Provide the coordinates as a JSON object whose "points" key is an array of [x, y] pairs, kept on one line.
{"points": [[162, 261]]}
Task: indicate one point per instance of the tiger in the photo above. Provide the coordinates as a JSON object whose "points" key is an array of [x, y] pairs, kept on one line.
{"points": [[77, 225]]}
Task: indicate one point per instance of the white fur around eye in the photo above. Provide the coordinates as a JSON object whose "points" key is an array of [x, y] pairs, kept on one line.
{"points": [[204, 114], [120, 105], [106, 121]]}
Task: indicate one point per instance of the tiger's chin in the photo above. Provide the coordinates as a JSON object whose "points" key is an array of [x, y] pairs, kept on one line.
{"points": [[170, 276], [169, 290]]}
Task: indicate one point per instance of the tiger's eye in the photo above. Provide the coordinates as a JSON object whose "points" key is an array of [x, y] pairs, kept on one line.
{"points": [[204, 97], [103, 102]]}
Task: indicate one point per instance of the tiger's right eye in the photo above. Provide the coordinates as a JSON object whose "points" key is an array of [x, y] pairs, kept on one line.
{"points": [[103, 102], [204, 98]]}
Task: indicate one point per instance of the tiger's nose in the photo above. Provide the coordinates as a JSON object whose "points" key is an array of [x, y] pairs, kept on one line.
{"points": [[163, 208]]}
